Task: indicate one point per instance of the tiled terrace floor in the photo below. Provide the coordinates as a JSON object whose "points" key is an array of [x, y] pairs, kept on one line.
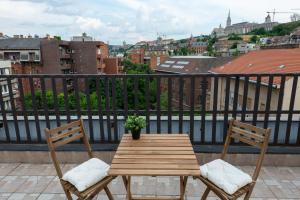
{"points": [[32, 181]]}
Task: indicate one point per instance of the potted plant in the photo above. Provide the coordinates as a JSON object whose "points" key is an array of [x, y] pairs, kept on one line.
{"points": [[135, 124]]}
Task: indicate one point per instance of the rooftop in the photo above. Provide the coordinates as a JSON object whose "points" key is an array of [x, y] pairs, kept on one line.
{"points": [[20, 43], [263, 61], [190, 64]]}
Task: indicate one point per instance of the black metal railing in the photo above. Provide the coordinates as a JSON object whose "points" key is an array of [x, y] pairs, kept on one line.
{"points": [[198, 104]]}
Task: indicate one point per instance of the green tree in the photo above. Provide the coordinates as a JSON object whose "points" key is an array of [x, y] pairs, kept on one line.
{"points": [[234, 36], [254, 39], [234, 46], [258, 31]]}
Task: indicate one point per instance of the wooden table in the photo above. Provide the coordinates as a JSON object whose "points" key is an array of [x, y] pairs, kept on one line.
{"points": [[155, 155]]}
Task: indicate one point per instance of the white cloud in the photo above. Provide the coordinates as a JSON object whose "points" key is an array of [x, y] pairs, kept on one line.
{"points": [[131, 20], [88, 24]]}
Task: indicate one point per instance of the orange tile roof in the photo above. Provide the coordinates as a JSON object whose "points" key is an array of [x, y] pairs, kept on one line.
{"points": [[264, 61]]}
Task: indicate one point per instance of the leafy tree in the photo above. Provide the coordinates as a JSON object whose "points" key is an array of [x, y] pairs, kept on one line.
{"points": [[234, 46], [258, 31], [234, 36], [211, 41], [254, 39]]}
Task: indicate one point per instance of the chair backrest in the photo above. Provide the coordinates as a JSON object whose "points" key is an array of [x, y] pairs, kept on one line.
{"points": [[251, 135], [66, 134]]}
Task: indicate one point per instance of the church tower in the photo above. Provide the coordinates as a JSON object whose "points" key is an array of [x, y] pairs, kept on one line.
{"points": [[268, 19], [228, 22]]}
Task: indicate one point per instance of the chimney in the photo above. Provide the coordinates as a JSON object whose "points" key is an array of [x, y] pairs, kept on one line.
{"points": [[21, 36], [1, 34], [16, 36]]}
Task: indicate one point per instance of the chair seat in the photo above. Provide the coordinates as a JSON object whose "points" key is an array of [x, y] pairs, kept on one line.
{"points": [[87, 174], [225, 176], [91, 191]]}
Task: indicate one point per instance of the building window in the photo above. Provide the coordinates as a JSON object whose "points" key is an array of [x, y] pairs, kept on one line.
{"points": [[5, 89], [2, 71]]}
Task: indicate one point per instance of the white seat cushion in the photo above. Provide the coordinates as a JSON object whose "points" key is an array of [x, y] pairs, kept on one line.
{"points": [[225, 175], [87, 174]]}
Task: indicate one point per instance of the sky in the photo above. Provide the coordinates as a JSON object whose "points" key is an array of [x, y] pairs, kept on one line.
{"points": [[115, 21]]}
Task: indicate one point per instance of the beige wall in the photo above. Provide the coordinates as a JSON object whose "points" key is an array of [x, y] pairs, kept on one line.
{"points": [[251, 95], [287, 95]]}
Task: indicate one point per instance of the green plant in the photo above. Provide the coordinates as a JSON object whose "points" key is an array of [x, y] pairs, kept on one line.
{"points": [[135, 123]]}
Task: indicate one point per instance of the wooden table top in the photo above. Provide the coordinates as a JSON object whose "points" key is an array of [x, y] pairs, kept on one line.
{"points": [[155, 155]]}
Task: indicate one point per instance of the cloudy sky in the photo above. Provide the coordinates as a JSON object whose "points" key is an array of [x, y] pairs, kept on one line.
{"points": [[132, 20]]}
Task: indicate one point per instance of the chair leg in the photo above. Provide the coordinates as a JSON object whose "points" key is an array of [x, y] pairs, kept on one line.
{"points": [[248, 194], [108, 193], [205, 194], [68, 194]]}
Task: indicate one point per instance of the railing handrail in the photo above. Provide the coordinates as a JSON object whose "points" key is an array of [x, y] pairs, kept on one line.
{"points": [[145, 75]]}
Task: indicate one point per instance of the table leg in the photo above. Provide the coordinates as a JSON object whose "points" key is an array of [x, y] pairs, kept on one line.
{"points": [[183, 183], [127, 183]]}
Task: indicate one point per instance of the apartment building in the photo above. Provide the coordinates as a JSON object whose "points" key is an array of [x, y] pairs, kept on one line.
{"points": [[198, 48], [6, 69], [24, 55], [54, 56], [151, 56], [189, 65], [263, 61]]}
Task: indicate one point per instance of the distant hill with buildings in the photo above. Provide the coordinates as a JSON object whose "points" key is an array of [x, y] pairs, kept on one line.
{"points": [[278, 30]]}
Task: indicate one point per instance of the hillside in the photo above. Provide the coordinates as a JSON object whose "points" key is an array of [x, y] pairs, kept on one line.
{"points": [[279, 30]]}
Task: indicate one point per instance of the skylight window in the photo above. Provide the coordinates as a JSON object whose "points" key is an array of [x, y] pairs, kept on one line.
{"points": [[178, 66], [183, 62], [281, 66], [170, 62]]}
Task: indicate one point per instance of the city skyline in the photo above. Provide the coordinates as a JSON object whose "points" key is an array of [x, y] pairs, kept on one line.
{"points": [[130, 20]]}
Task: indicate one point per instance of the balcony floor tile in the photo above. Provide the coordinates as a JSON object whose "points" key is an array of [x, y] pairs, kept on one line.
{"points": [[39, 182]]}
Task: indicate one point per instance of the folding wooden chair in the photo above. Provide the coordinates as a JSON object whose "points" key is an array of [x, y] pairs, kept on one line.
{"points": [[250, 135], [66, 134]]}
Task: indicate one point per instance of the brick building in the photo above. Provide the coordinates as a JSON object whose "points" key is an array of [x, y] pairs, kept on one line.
{"points": [[189, 65], [52, 56], [152, 57], [198, 48]]}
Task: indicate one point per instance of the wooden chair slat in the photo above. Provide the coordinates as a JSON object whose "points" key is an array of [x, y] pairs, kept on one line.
{"points": [[246, 140], [250, 127], [67, 141], [248, 133], [66, 134], [65, 127]]}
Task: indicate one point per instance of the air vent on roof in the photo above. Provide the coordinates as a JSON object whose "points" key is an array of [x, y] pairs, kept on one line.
{"points": [[281, 66], [250, 65]]}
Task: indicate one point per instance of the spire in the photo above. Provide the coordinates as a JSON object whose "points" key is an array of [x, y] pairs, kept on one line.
{"points": [[228, 22], [268, 19]]}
